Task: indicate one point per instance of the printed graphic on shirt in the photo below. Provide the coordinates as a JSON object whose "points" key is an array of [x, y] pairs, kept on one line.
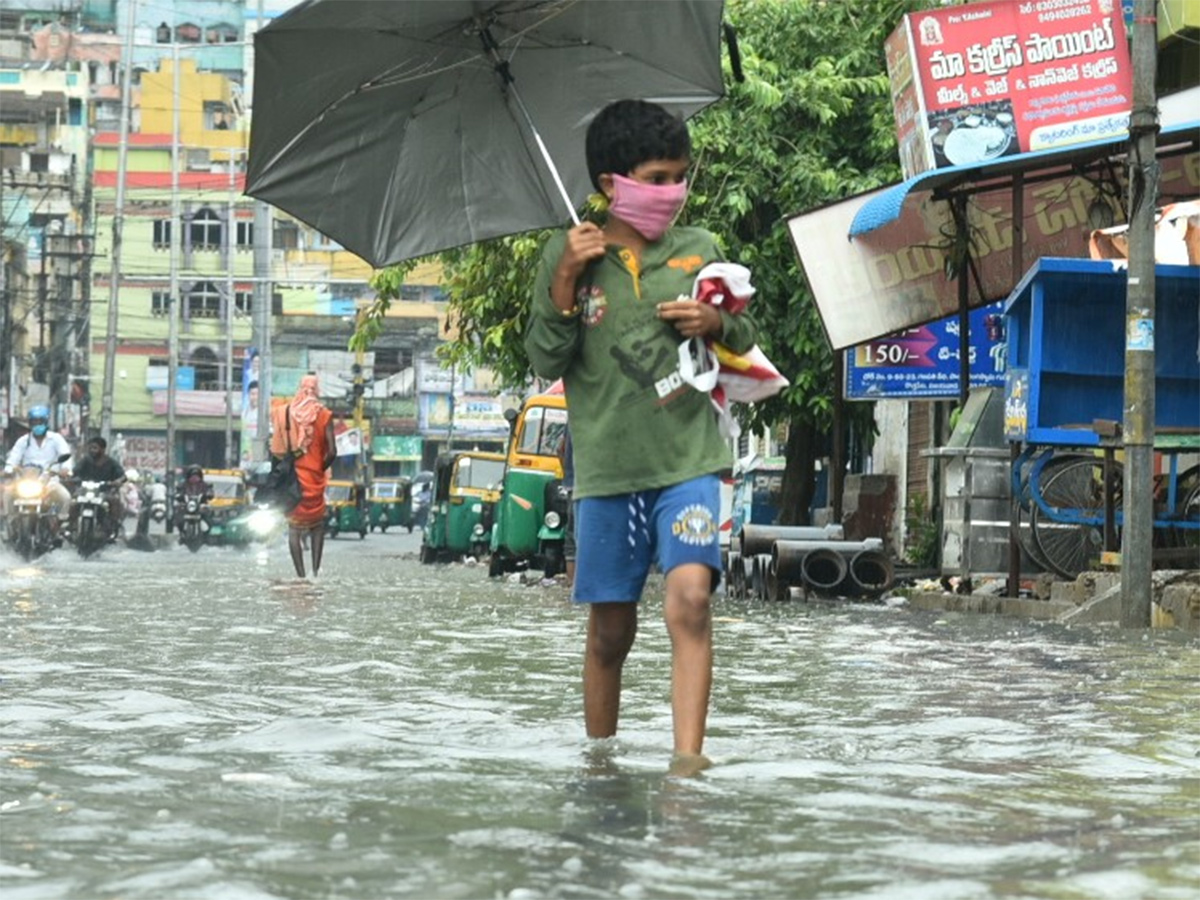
{"points": [[592, 303], [695, 526], [641, 354], [688, 264]]}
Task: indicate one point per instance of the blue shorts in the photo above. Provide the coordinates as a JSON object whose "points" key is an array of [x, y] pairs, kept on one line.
{"points": [[618, 538]]}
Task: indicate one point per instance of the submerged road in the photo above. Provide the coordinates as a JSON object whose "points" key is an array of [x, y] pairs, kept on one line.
{"points": [[201, 726]]}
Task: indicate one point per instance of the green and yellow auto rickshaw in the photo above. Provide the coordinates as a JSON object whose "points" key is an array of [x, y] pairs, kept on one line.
{"points": [[230, 499], [466, 486], [532, 512], [391, 504], [346, 508]]}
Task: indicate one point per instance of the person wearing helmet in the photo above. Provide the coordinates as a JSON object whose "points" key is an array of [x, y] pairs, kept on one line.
{"points": [[99, 466], [43, 449], [191, 485]]}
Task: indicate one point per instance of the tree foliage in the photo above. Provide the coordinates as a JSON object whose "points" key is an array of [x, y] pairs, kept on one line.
{"points": [[810, 124]]}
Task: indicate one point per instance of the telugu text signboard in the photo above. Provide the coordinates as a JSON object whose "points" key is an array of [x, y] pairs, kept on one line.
{"points": [[985, 80], [923, 362]]}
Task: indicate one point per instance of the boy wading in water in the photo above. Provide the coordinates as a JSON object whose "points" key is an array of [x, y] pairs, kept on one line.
{"points": [[606, 318]]}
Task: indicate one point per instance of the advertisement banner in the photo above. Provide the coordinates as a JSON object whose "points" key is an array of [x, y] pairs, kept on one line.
{"points": [[349, 442], [250, 395], [985, 80], [923, 363], [396, 448], [146, 454]]}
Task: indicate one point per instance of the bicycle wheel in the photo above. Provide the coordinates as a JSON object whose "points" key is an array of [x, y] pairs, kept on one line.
{"points": [[1058, 459], [1076, 488]]}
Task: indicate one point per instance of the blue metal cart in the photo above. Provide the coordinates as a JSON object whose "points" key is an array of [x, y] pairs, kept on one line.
{"points": [[1064, 400]]}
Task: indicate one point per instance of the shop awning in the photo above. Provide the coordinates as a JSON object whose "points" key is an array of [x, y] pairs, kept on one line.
{"points": [[887, 207]]}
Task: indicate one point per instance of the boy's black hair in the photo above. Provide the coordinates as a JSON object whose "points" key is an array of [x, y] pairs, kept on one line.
{"points": [[101, 442], [627, 133]]}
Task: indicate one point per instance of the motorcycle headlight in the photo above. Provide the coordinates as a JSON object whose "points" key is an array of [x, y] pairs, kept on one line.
{"points": [[29, 490], [553, 519], [477, 530], [193, 506], [261, 521]]}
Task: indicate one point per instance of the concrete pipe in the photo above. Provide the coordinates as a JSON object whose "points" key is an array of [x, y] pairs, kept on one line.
{"points": [[762, 562], [757, 539], [788, 558], [824, 569], [771, 582], [871, 572]]}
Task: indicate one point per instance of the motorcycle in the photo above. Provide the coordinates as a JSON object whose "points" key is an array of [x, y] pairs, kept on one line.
{"points": [[32, 527], [192, 512], [91, 516], [157, 495]]}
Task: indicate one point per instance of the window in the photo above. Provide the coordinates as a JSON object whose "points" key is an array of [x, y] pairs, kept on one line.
{"points": [[187, 33], [277, 304], [198, 160], [162, 233], [286, 235], [160, 303], [205, 230], [208, 372], [39, 162], [245, 235], [543, 430], [216, 115], [221, 33], [203, 301], [108, 115], [243, 303]]}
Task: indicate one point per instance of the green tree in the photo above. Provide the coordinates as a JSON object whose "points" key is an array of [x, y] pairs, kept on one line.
{"points": [[811, 123]]}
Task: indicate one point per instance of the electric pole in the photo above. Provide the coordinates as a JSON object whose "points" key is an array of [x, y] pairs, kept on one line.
{"points": [[261, 321], [231, 454], [118, 226], [1137, 533], [173, 304]]}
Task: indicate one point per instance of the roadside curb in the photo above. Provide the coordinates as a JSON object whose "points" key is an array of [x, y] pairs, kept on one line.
{"points": [[1092, 599]]}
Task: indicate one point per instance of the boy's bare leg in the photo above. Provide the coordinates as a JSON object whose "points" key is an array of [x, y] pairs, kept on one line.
{"points": [[689, 623], [296, 549], [611, 630]]}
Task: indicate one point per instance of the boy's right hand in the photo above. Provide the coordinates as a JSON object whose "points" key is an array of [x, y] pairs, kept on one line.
{"points": [[585, 242]]}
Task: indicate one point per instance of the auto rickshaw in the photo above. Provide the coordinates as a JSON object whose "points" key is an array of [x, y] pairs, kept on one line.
{"points": [[346, 508], [391, 504], [230, 501], [532, 512], [466, 486]]}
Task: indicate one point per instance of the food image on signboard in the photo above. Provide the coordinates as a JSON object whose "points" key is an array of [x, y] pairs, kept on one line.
{"points": [[973, 134]]}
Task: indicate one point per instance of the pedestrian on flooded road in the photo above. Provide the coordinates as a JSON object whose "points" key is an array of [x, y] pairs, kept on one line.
{"points": [[304, 427], [611, 305]]}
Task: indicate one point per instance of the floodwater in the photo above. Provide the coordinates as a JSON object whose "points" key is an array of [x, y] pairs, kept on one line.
{"points": [[179, 726]]}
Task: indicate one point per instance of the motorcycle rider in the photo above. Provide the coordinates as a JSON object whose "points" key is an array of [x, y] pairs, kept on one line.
{"points": [[192, 485], [43, 448], [99, 466]]}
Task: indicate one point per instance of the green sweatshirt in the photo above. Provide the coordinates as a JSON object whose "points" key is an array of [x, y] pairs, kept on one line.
{"points": [[635, 425]]}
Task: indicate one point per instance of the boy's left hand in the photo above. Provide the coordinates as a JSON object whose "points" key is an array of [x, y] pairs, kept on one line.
{"points": [[691, 318]]}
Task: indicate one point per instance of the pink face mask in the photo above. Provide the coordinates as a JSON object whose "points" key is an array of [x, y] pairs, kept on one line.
{"points": [[648, 208]]}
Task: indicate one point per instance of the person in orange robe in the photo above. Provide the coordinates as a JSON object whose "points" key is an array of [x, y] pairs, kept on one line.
{"points": [[304, 425]]}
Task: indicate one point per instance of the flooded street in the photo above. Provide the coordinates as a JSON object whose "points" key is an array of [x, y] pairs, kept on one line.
{"points": [[196, 726]]}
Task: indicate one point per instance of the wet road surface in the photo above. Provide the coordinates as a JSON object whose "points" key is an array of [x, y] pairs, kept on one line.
{"points": [[201, 726]]}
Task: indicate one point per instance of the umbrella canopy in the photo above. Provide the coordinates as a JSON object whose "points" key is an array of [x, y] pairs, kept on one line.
{"points": [[400, 128]]}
